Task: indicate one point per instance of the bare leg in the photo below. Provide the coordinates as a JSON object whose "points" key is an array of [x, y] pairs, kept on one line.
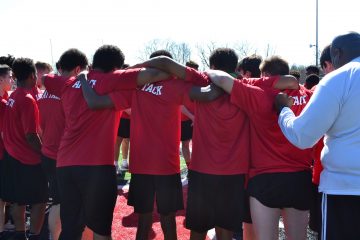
{"points": [[2, 215], [125, 148], [295, 222], [248, 231], [144, 226], [168, 225], [117, 151], [265, 220], [37, 215], [54, 222], [101, 237], [223, 234], [185, 148], [18, 214]]}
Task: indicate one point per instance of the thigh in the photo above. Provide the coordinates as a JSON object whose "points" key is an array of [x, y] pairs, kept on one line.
{"points": [[142, 193], [341, 217], [98, 192], [295, 222], [169, 194], [71, 210]]}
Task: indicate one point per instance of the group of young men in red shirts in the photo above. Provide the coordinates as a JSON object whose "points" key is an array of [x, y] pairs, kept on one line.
{"points": [[240, 161]]}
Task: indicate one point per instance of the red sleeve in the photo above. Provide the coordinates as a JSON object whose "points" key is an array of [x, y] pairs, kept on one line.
{"points": [[29, 115], [196, 77], [245, 96], [118, 80], [262, 82], [121, 99], [2, 112], [55, 84]]}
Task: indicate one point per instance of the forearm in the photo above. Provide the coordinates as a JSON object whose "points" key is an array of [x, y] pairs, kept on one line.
{"points": [[205, 94], [94, 101], [221, 79], [34, 141], [187, 113], [151, 75], [167, 65]]}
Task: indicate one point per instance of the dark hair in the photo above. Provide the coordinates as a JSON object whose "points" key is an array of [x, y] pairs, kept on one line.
{"points": [[72, 58], [275, 65], [108, 58], [125, 65], [4, 69], [192, 64], [312, 69], [251, 64], [295, 73], [161, 53], [23, 68], [311, 81], [8, 60], [43, 66], [224, 59], [325, 56]]}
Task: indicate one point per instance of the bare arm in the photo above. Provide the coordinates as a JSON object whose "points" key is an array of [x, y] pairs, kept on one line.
{"points": [[221, 79], [206, 94], [165, 64], [186, 112], [287, 82], [150, 75], [34, 141], [93, 100]]}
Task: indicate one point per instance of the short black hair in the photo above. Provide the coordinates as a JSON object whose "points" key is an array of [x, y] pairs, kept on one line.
{"points": [[192, 64], [325, 56], [4, 69], [125, 65], [43, 66], [311, 81], [251, 64], [295, 73], [275, 65], [72, 58], [23, 68], [224, 59], [161, 53], [108, 58], [8, 60], [312, 69]]}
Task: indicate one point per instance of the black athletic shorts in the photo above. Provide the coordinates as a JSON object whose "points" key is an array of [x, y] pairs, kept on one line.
{"points": [[166, 188], [282, 190], [186, 130], [24, 184], [315, 210], [88, 197], [247, 212], [341, 215], [49, 166], [215, 201], [124, 128]]}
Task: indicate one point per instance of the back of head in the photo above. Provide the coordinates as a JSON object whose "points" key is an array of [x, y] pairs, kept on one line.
{"points": [[161, 53], [325, 56], [251, 64], [23, 68], [8, 60], [43, 66], [108, 58], [192, 64], [311, 81], [296, 74], [125, 65], [274, 65], [224, 59], [4, 70], [312, 69], [345, 48], [71, 59]]}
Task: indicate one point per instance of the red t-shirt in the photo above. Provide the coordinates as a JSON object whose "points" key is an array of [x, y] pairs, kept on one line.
{"points": [[155, 127], [317, 168], [270, 150], [3, 101], [125, 115], [52, 123], [190, 106], [21, 118], [89, 136]]}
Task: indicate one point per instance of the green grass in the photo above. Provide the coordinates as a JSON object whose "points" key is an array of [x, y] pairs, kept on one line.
{"points": [[128, 175]]}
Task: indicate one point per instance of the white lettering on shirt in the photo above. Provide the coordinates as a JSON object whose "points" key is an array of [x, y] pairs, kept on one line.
{"points": [[47, 95], [299, 100], [77, 84], [10, 102], [156, 90]]}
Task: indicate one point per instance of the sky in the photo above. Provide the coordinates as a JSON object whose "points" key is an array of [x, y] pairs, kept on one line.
{"points": [[44, 29]]}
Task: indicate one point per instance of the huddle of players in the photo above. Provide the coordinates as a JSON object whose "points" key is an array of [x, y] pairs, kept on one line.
{"points": [[237, 145]]}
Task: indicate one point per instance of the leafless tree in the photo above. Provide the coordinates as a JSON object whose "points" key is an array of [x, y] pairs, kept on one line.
{"points": [[180, 51]]}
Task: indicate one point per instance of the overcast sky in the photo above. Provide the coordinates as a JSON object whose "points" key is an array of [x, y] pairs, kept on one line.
{"points": [[34, 28]]}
